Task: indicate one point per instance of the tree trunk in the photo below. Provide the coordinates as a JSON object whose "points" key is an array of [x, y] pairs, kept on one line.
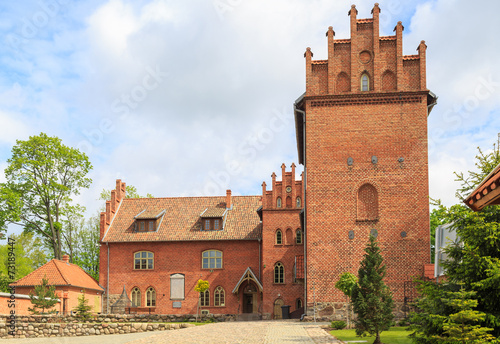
{"points": [[377, 339]]}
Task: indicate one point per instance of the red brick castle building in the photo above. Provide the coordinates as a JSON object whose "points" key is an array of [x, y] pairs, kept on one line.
{"points": [[361, 132]]}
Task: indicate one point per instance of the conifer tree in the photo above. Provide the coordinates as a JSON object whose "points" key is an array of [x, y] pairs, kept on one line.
{"points": [[83, 309], [44, 297], [372, 299]]}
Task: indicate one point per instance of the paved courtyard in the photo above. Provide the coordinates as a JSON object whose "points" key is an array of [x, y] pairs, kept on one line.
{"points": [[268, 332]]}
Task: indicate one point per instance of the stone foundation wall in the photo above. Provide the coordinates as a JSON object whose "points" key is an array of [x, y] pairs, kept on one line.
{"points": [[59, 326], [330, 311]]}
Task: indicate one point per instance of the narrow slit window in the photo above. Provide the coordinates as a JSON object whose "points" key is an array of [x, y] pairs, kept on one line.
{"points": [[365, 83]]}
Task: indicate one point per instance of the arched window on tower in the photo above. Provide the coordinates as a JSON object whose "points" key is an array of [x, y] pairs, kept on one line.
{"points": [[298, 202], [298, 236], [367, 203], [279, 237], [365, 82], [278, 202], [279, 273]]}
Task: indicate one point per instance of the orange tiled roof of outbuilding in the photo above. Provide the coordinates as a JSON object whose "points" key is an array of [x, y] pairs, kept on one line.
{"points": [[59, 273]]}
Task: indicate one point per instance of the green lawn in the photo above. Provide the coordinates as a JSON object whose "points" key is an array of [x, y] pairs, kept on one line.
{"points": [[396, 335]]}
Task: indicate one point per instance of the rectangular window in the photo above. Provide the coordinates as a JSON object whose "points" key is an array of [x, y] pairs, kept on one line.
{"points": [[207, 225], [141, 226], [151, 226], [143, 260], [212, 259], [216, 225]]}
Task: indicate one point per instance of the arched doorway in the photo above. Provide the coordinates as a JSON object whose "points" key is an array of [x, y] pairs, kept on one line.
{"points": [[277, 308]]}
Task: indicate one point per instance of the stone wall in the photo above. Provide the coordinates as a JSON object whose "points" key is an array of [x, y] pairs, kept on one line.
{"points": [[59, 326], [329, 311]]}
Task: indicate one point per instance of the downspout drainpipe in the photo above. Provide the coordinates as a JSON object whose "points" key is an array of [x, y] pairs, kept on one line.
{"points": [[107, 282], [303, 113], [260, 264]]}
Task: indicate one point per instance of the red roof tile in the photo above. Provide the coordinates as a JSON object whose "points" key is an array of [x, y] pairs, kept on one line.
{"points": [[59, 273], [149, 214], [182, 220], [387, 38], [319, 61]]}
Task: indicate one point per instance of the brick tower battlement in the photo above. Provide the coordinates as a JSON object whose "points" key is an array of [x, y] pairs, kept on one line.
{"points": [[366, 63], [284, 194]]}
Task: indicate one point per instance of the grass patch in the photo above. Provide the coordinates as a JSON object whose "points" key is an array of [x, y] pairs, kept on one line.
{"points": [[395, 335]]}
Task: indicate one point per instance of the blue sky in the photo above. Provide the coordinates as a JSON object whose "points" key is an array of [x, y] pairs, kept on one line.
{"points": [[186, 98]]}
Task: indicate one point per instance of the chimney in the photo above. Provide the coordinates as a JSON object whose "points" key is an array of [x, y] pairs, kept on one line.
{"points": [[65, 258], [228, 199], [309, 82]]}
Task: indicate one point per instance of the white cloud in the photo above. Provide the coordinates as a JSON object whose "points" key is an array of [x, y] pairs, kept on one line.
{"points": [[12, 127]]}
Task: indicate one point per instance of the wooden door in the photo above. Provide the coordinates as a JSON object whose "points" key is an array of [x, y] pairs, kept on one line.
{"points": [[277, 308]]}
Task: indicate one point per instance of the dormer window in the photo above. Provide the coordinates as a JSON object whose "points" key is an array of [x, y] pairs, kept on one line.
{"points": [[148, 220], [212, 219]]}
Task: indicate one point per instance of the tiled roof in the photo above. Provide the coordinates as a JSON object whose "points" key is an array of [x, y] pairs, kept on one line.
{"points": [[365, 20], [59, 273], [213, 212], [387, 38], [342, 41], [150, 214], [319, 61], [300, 266], [182, 220]]}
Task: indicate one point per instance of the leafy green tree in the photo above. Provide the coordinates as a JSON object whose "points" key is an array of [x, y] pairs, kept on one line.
{"points": [[43, 298], [86, 253], [345, 284], [41, 177], [372, 299], [82, 310], [29, 255]]}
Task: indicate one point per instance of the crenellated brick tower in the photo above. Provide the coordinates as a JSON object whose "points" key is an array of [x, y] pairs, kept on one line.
{"points": [[362, 136]]}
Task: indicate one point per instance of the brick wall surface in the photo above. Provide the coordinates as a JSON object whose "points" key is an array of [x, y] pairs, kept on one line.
{"points": [[181, 258]]}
